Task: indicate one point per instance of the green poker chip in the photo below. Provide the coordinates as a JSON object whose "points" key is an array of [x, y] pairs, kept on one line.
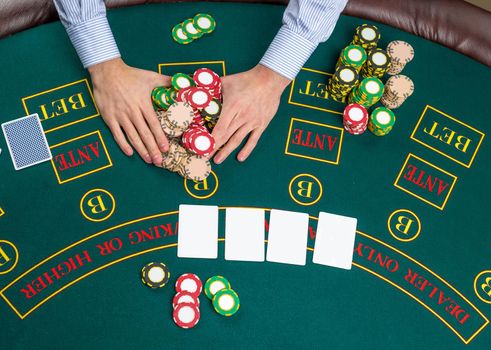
{"points": [[181, 81], [179, 35], [226, 302], [215, 284], [204, 23], [190, 30]]}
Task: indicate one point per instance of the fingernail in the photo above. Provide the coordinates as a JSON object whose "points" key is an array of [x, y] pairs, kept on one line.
{"points": [[241, 157], [157, 159], [163, 147], [147, 159], [217, 160]]}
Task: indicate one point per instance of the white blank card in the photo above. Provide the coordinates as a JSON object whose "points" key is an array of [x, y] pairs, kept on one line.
{"points": [[287, 237], [244, 234], [335, 240], [198, 232]]}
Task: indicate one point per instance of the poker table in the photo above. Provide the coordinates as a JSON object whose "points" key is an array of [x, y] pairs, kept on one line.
{"points": [[76, 231]]}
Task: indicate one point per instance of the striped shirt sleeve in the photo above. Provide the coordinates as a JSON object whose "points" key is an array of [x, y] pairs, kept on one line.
{"points": [[87, 26], [306, 23]]}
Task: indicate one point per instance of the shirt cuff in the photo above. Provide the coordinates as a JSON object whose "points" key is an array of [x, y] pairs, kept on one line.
{"points": [[94, 41], [287, 53]]}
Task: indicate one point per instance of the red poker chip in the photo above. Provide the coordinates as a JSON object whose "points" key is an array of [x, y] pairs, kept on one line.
{"points": [[189, 282], [202, 143], [198, 97], [355, 115], [206, 78], [184, 297], [182, 95], [186, 315]]}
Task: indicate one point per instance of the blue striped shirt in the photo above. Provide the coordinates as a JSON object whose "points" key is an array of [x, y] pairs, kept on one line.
{"points": [[306, 23]]}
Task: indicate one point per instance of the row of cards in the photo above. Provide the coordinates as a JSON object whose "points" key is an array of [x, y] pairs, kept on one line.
{"points": [[245, 236]]}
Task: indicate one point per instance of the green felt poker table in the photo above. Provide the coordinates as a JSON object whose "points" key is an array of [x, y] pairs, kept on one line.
{"points": [[76, 231]]}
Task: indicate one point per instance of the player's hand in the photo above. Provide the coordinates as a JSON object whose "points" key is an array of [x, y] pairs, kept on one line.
{"points": [[123, 95], [250, 101]]}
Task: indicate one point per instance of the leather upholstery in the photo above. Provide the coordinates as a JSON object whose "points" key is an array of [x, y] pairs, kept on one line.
{"points": [[453, 23]]}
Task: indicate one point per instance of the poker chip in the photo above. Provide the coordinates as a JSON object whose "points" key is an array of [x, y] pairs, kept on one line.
{"points": [[181, 81], [401, 53], [381, 121], [180, 114], [193, 28], [377, 64], [206, 78], [366, 36], [226, 302], [342, 82], [355, 119], [398, 89], [214, 284], [353, 56], [197, 168], [184, 297], [186, 315], [155, 275], [213, 109], [368, 92], [189, 282], [198, 97]]}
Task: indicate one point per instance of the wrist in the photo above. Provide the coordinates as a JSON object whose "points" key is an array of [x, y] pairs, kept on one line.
{"points": [[272, 79], [105, 67]]}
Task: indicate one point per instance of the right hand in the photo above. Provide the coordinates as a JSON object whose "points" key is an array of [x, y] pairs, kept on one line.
{"points": [[123, 95]]}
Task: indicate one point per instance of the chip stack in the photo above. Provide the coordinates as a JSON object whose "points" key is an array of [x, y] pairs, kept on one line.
{"points": [[342, 83], [367, 36], [397, 89], [225, 300], [193, 28], [155, 275], [188, 111], [401, 53], [353, 56], [376, 65], [381, 121], [367, 93], [186, 303], [355, 119]]}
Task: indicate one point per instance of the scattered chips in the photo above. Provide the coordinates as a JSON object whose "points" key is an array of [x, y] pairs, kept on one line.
{"points": [[214, 284], [184, 297], [155, 275], [193, 28], [186, 315], [189, 282], [226, 302]]}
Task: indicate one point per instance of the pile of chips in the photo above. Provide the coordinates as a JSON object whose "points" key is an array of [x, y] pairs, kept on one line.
{"points": [[188, 111], [225, 300], [342, 82], [397, 89], [368, 92], [185, 303], [367, 36], [381, 121], [353, 56], [155, 275], [401, 53], [193, 28], [377, 64], [355, 119]]}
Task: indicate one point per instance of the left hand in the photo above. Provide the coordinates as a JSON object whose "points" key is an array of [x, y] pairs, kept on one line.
{"points": [[250, 101]]}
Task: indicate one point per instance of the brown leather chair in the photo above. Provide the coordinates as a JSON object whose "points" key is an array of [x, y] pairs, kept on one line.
{"points": [[453, 23]]}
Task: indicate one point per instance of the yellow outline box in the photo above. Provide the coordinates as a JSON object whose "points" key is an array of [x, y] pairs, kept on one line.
{"points": [[287, 152], [46, 131], [192, 63], [455, 178], [467, 165], [290, 100], [110, 164]]}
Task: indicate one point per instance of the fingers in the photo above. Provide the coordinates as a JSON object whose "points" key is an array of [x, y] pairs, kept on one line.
{"points": [[232, 144], [135, 141], [250, 145], [120, 139], [156, 128], [223, 130], [148, 139]]}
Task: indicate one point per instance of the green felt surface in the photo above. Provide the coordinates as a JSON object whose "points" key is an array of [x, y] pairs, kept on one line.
{"points": [[104, 304]]}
